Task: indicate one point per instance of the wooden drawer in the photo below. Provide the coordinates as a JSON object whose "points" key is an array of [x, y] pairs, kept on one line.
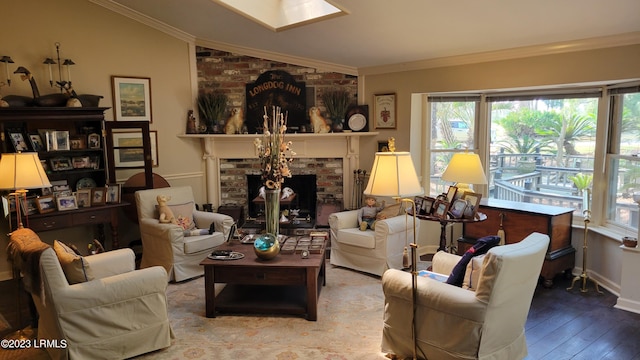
{"points": [[100, 216], [49, 223], [260, 276]]}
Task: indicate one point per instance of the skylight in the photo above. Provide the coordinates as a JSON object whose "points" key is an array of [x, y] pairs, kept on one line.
{"points": [[278, 15]]}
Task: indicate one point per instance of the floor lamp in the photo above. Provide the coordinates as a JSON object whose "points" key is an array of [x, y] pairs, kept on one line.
{"points": [[394, 175], [21, 171]]}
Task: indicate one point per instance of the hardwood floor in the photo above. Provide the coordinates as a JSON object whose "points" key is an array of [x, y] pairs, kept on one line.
{"points": [[574, 325], [561, 325]]}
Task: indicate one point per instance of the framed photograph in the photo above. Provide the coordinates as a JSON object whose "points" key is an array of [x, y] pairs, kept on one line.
{"points": [[131, 98], [78, 142], [66, 203], [17, 139], [29, 206], [112, 193], [94, 141], [61, 164], [46, 204], [45, 166], [59, 185], [36, 142], [384, 111], [383, 146], [451, 193], [427, 205], [62, 141], [473, 201], [418, 203], [133, 157], [94, 162], [457, 208], [97, 196], [81, 162], [84, 197], [440, 209]]}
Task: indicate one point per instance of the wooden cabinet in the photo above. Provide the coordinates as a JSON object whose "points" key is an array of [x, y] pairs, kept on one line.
{"points": [[76, 152], [521, 219], [72, 152]]}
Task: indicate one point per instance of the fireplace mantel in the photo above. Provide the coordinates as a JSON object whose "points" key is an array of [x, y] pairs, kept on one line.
{"points": [[345, 145]]}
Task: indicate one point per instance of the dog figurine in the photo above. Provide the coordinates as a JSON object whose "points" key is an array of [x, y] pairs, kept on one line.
{"points": [[165, 214], [318, 122], [234, 123]]}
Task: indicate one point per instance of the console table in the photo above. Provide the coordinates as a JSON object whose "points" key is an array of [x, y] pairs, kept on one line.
{"points": [[96, 215], [521, 219], [443, 227]]}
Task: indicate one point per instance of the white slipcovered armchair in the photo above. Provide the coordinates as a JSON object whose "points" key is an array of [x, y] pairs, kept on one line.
{"points": [[165, 244], [120, 314], [370, 251], [458, 323]]}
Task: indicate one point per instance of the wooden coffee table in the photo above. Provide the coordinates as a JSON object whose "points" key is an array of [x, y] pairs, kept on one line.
{"points": [[287, 284]]}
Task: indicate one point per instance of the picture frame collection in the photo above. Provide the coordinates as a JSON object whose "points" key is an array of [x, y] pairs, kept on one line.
{"points": [[454, 204], [60, 198], [52, 140]]}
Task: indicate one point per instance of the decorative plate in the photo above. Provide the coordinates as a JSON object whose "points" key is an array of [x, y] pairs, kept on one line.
{"points": [[357, 122], [85, 183], [233, 256]]}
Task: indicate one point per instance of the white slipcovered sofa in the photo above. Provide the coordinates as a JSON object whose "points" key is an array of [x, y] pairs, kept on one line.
{"points": [[370, 251], [458, 323]]}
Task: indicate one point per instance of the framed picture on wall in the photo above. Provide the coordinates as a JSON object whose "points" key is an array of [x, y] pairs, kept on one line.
{"points": [[131, 98], [384, 111], [133, 155]]}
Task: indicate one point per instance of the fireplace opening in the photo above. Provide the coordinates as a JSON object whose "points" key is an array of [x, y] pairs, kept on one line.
{"points": [[304, 186]]}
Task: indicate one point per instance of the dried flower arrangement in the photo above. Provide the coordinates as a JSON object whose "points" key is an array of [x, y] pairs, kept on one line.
{"points": [[274, 152]]}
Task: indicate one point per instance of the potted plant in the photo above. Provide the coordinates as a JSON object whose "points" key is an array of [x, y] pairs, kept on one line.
{"points": [[212, 107], [336, 102]]}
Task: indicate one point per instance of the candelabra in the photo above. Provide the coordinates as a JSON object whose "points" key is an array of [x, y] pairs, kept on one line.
{"points": [[586, 214]]}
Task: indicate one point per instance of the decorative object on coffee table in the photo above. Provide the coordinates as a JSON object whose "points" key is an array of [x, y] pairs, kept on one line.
{"points": [[266, 246]]}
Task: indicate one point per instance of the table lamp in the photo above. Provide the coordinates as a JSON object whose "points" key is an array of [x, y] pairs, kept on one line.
{"points": [[465, 169], [394, 175], [21, 171]]}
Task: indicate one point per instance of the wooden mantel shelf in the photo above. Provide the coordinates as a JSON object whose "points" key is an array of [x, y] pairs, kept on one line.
{"points": [[344, 145]]}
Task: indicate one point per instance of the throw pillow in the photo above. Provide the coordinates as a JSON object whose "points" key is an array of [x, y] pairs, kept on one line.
{"points": [[75, 267], [390, 211], [481, 246], [184, 215]]}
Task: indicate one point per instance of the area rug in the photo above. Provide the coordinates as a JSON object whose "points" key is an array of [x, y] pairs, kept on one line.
{"points": [[349, 325]]}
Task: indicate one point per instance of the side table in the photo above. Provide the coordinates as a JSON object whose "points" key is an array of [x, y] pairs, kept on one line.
{"points": [[443, 226]]}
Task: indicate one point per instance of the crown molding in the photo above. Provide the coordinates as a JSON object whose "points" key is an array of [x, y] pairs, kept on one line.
{"points": [[144, 19], [269, 55], [508, 54]]}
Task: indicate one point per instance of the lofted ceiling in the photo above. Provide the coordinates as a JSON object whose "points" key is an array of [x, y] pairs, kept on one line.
{"points": [[383, 33]]}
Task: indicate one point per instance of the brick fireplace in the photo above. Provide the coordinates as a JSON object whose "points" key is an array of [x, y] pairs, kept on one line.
{"points": [[239, 182], [331, 157]]}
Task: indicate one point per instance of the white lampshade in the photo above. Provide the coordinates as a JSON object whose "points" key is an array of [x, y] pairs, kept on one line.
{"points": [[465, 168], [21, 171], [394, 175]]}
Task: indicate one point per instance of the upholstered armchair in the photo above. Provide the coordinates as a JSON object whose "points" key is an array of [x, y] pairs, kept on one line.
{"points": [[120, 314], [168, 244], [460, 323], [370, 251]]}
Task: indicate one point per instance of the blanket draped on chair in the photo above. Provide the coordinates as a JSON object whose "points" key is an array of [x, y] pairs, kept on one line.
{"points": [[23, 251]]}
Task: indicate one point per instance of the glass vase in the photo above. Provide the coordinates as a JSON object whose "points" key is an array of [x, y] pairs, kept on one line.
{"points": [[272, 211]]}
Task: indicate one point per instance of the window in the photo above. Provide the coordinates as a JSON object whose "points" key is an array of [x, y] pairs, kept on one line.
{"points": [[542, 147], [623, 163], [453, 123]]}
